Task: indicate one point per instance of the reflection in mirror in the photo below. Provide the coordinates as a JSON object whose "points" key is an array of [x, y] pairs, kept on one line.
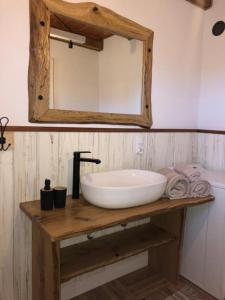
{"points": [[95, 75]]}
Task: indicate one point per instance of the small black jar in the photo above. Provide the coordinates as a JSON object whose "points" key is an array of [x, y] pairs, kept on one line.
{"points": [[60, 197]]}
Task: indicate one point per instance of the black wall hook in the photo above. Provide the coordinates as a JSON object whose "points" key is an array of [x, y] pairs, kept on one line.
{"points": [[3, 123]]}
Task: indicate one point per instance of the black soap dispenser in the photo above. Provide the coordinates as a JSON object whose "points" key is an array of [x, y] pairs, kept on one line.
{"points": [[47, 196]]}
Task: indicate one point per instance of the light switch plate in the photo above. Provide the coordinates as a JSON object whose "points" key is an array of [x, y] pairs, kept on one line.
{"points": [[139, 143]]}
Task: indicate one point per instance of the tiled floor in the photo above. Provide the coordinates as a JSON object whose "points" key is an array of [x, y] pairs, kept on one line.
{"points": [[145, 285]]}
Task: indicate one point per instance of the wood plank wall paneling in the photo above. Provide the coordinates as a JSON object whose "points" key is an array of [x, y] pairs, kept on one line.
{"points": [[25, 170], [37, 155], [211, 151], [6, 225]]}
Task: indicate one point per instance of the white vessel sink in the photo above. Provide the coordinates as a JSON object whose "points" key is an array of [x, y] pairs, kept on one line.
{"points": [[123, 188]]}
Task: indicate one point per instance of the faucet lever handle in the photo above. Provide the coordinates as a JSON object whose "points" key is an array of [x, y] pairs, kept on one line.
{"points": [[78, 153]]}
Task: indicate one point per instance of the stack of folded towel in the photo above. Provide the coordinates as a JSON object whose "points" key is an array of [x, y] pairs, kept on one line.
{"points": [[185, 181]]}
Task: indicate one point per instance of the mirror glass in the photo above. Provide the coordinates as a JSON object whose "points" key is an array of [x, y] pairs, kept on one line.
{"points": [[94, 70]]}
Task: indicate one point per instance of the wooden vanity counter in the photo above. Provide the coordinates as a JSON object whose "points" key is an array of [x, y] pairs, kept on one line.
{"points": [[80, 217], [53, 265]]}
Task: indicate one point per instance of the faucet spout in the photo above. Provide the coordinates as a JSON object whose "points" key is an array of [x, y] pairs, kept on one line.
{"points": [[91, 160], [76, 171]]}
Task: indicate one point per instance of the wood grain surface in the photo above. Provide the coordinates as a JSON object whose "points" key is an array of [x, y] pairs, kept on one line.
{"points": [[97, 253], [70, 25], [97, 129], [111, 129], [80, 217], [166, 260], [52, 266], [101, 19], [45, 266], [145, 284]]}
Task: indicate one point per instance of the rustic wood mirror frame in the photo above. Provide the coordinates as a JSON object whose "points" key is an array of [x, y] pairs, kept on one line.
{"points": [[89, 14]]}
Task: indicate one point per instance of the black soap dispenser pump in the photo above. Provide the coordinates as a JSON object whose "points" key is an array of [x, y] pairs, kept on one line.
{"points": [[47, 196]]}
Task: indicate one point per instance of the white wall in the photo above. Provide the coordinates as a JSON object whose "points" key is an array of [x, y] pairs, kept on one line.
{"points": [[176, 63], [71, 77], [212, 97], [106, 81], [120, 76]]}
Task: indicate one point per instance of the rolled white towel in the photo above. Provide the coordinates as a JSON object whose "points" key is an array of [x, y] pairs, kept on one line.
{"points": [[192, 171], [200, 188], [177, 185]]}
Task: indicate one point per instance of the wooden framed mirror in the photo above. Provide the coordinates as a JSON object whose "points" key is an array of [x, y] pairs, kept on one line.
{"points": [[88, 65]]}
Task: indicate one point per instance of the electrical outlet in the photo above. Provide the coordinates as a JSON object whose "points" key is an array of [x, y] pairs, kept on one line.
{"points": [[139, 145], [140, 148]]}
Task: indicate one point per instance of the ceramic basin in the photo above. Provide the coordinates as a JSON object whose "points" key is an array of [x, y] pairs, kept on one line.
{"points": [[123, 188]]}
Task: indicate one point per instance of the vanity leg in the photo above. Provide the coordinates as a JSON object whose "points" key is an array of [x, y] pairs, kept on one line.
{"points": [[45, 266], [166, 259]]}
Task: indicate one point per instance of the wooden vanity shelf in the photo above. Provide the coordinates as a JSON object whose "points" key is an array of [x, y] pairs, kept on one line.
{"points": [[53, 265], [91, 255]]}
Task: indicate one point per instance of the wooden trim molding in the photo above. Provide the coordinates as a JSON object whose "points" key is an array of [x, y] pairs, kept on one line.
{"points": [[207, 131], [83, 129], [204, 4], [93, 16]]}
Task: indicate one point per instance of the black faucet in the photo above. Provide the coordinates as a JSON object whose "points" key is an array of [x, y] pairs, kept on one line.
{"points": [[76, 171]]}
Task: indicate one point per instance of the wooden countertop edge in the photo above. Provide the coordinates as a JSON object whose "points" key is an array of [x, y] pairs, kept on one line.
{"points": [[68, 235], [131, 219], [32, 218]]}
